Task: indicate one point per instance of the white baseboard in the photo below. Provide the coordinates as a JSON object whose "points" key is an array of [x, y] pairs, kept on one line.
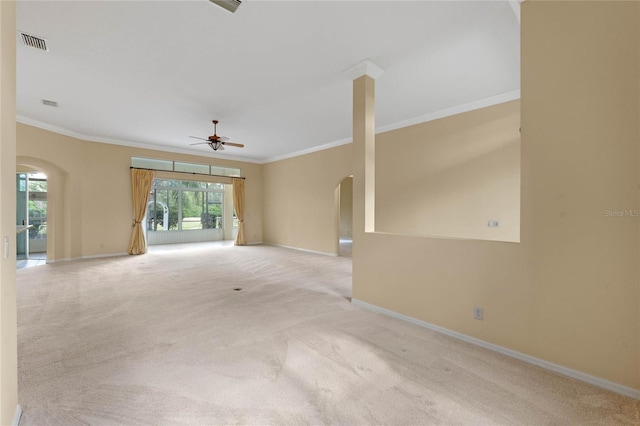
{"points": [[93, 256], [596, 381], [17, 415], [254, 243], [324, 253], [66, 259], [98, 256]]}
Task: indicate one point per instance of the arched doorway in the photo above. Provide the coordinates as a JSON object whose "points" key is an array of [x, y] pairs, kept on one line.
{"points": [[31, 215], [345, 216], [58, 238]]}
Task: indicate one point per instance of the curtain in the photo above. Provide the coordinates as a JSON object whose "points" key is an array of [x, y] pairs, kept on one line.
{"points": [[238, 202], [141, 181]]}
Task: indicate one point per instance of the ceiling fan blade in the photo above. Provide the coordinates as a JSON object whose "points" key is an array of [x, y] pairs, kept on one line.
{"points": [[239, 145], [195, 137], [199, 143], [223, 138]]}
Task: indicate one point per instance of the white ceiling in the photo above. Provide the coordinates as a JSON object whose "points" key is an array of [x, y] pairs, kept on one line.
{"points": [[150, 74]]}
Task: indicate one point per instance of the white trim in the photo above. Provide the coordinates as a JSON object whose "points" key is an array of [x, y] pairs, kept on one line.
{"points": [[605, 384], [88, 138], [98, 256], [363, 68], [447, 112], [471, 106], [515, 6], [66, 259], [93, 256], [482, 103], [308, 151], [17, 415], [254, 243], [323, 253]]}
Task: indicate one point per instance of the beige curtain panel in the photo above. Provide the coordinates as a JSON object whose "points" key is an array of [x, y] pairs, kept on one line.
{"points": [[141, 181], [238, 202]]}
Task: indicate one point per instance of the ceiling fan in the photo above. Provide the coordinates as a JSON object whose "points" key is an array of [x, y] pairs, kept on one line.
{"points": [[216, 142]]}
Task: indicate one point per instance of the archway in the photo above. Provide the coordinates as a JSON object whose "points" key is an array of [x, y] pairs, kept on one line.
{"points": [[345, 216], [57, 247], [31, 215]]}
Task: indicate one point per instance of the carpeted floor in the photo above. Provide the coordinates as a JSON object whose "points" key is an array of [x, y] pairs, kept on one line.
{"points": [[211, 335]]}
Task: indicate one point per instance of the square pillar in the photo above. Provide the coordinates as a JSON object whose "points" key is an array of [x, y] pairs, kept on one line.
{"points": [[364, 126]]}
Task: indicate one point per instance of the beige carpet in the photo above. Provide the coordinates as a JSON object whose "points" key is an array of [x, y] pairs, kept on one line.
{"points": [[166, 338]]}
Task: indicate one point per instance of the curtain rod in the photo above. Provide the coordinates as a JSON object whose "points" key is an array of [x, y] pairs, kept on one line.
{"points": [[188, 173]]}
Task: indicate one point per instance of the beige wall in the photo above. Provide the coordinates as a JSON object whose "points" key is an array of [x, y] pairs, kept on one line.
{"points": [[449, 177], [346, 207], [569, 292], [8, 327], [300, 199], [580, 113], [90, 191]]}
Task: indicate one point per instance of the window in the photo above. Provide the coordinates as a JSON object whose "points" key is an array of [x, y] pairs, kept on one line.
{"points": [[176, 205], [178, 166]]}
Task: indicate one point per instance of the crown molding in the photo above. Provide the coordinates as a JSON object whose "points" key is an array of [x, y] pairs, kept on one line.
{"points": [[482, 103], [515, 6], [87, 138], [447, 112], [365, 67]]}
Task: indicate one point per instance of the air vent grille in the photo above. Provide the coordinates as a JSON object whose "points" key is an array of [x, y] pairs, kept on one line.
{"points": [[33, 41], [230, 5], [50, 103]]}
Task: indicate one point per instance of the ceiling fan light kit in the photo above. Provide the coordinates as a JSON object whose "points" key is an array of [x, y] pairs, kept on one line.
{"points": [[230, 5], [216, 146], [216, 142]]}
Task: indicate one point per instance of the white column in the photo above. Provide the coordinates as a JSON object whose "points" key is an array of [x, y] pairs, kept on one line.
{"points": [[364, 169]]}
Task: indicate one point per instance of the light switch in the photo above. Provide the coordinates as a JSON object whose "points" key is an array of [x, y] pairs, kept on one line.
{"points": [[493, 224]]}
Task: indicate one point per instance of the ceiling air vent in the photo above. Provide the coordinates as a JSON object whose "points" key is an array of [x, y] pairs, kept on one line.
{"points": [[50, 103], [230, 5], [33, 41]]}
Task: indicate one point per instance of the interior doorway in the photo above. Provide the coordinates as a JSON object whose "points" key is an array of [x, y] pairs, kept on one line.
{"points": [[31, 215], [345, 222]]}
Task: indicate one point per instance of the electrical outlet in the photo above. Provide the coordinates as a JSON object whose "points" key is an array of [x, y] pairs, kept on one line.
{"points": [[493, 224], [477, 312]]}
